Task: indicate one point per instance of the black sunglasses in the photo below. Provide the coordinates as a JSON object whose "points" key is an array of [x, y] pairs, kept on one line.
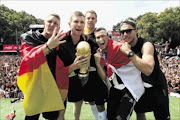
{"points": [[128, 31]]}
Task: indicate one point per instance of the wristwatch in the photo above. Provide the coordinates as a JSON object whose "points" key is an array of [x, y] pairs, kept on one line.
{"points": [[130, 54]]}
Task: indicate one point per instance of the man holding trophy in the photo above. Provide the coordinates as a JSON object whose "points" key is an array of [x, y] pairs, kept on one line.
{"points": [[77, 52]]}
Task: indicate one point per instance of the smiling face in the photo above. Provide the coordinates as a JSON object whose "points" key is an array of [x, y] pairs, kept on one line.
{"points": [[102, 39], [128, 34], [77, 25], [49, 25]]}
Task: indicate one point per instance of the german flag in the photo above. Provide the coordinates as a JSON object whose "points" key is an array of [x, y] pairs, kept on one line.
{"points": [[41, 93], [119, 64]]}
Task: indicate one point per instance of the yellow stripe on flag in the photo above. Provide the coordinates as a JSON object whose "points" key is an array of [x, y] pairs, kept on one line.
{"points": [[40, 90]]}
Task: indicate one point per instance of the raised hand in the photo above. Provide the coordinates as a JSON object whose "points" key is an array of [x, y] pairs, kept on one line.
{"points": [[125, 48], [97, 56], [79, 62], [86, 37], [55, 40]]}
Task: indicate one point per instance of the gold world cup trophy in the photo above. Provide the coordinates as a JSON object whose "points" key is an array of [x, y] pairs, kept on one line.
{"points": [[83, 47]]}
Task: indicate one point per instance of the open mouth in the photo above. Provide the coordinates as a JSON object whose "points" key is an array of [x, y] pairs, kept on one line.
{"points": [[51, 29], [102, 43], [78, 30], [89, 24]]}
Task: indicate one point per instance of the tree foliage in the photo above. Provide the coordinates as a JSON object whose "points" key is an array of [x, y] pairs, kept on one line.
{"points": [[147, 26], [153, 26], [10, 21], [169, 26], [157, 27]]}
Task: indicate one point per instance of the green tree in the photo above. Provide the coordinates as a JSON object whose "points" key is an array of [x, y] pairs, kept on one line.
{"points": [[169, 26], [147, 26], [156, 27], [10, 21]]}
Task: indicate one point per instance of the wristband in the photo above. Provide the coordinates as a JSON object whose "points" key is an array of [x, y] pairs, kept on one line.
{"points": [[48, 47]]}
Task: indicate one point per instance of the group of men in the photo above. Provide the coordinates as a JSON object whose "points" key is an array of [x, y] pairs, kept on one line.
{"points": [[120, 73]]}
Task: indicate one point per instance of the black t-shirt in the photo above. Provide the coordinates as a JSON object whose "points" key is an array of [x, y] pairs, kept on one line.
{"points": [[67, 50], [94, 47]]}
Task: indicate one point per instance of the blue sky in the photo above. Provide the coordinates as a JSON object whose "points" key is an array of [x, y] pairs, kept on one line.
{"points": [[109, 12]]}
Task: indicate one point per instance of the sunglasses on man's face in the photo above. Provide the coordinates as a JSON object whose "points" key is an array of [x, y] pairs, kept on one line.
{"points": [[128, 31]]}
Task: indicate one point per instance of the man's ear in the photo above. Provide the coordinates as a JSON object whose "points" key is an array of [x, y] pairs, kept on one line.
{"points": [[136, 31], [69, 23], [44, 23]]}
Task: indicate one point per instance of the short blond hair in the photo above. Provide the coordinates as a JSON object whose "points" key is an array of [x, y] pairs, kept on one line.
{"points": [[76, 13], [91, 11], [55, 15]]}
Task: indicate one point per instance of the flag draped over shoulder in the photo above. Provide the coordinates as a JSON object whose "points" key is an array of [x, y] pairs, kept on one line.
{"points": [[62, 78], [114, 56], [41, 93], [119, 63]]}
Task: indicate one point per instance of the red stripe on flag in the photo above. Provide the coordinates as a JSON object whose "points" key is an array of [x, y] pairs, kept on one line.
{"points": [[32, 60]]}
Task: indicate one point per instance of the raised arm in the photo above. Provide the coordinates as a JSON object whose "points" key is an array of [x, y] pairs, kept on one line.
{"points": [[144, 64], [100, 70], [53, 41]]}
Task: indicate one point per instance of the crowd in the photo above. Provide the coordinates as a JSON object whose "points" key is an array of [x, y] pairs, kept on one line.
{"points": [[9, 68], [56, 52], [171, 68], [170, 65]]}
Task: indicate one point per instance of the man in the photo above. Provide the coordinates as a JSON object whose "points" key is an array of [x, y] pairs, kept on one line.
{"points": [[43, 78], [67, 52], [101, 93], [144, 56], [125, 78]]}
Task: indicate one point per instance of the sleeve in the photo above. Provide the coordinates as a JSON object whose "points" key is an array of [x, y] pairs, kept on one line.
{"points": [[62, 78]]}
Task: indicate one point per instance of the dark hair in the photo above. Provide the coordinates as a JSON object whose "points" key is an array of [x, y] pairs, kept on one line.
{"points": [[99, 29], [130, 22]]}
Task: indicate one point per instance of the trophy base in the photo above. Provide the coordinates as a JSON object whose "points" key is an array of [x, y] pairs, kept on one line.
{"points": [[83, 77]]}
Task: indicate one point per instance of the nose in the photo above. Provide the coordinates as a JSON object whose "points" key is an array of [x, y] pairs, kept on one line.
{"points": [[100, 41], [79, 24], [51, 24], [125, 33]]}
